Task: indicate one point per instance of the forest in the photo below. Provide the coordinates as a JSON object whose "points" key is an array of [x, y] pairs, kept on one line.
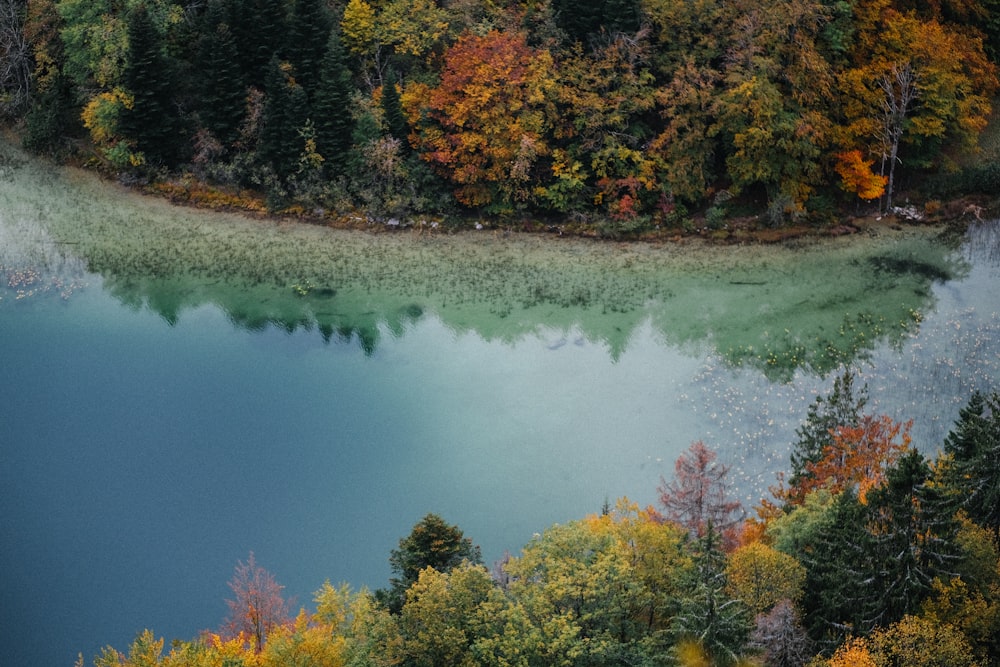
{"points": [[613, 115], [869, 554]]}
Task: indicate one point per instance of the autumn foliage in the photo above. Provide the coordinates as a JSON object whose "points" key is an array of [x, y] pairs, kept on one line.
{"points": [[857, 176]]}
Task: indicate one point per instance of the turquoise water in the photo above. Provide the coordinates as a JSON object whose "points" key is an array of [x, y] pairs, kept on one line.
{"points": [[182, 388]]}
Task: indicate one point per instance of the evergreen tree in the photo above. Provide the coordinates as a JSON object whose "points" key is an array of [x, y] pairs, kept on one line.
{"points": [[708, 615], [331, 108], [308, 40], [261, 34], [223, 94], [392, 110], [974, 445], [432, 543], [153, 123], [284, 115], [841, 408], [913, 540], [837, 573], [583, 20]]}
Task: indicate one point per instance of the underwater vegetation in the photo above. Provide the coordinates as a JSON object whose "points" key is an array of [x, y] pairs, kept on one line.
{"points": [[816, 306]]}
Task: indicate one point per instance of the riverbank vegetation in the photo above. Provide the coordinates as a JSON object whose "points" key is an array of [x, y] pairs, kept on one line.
{"points": [[607, 118], [869, 553]]}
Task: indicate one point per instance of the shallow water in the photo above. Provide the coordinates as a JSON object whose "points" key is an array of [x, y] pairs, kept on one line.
{"points": [[181, 388]]}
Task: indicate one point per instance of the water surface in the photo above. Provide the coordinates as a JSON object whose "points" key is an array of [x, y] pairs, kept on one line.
{"points": [[181, 388]]}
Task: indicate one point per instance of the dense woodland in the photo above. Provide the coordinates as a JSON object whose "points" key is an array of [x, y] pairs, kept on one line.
{"points": [[618, 114], [869, 554]]}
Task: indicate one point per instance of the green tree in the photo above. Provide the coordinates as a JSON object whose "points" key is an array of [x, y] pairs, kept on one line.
{"points": [[307, 42], [392, 110], [720, 624], [153, 122], [974, 447], [844, 406], [284, 115], [440, 619], [432, 543], [223, 92], [331, 106]]}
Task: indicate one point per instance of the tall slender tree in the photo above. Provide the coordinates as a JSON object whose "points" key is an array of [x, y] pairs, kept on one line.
{"points": [[153, 123], [258, 605], [699, 494], [308, 41], [331, 107]]}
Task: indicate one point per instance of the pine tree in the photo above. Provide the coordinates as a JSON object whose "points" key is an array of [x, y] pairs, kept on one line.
{"points": [[309, 36], [432, 543], [285, 114], [153, 123], [261, 36], [841, 408], [392, 110], [707, 614], [974, 445], [331, 108], [223, 94], [913, 539]]}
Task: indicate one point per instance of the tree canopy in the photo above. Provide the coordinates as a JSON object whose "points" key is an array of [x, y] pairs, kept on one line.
{"points": [[623, 115]]}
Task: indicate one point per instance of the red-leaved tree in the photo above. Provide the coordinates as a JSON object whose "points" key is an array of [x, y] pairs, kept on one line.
{"points": [[699, 494], [258, 606]]}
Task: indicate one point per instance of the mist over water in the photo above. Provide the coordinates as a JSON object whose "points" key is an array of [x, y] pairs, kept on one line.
{"points": [[181, 388]]}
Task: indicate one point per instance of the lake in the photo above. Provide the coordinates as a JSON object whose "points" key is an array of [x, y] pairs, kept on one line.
{"points": [[181, 388]]}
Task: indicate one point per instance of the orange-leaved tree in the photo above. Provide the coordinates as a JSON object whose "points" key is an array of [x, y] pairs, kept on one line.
{"points": [[857, 176], [857, 458], [485, 125]]}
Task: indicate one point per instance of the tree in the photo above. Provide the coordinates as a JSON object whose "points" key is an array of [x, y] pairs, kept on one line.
{"points": [[762, 577], [698, 495], [485, 125], [307, 42], [857, 457], [392, 110], [439, 620], [917, 641], [843, 407], [152, 122], [432, 543], [857, 177], [15, 59], [708, 616], [331, 108], [913, 539], [223, 93], [780, 635], [258, 606], [974, 447]]}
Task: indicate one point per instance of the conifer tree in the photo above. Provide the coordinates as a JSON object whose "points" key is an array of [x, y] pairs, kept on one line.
{"points": [[708, 614], [223, 95], [263, 35], [285, 114], [308, 39], [153, 122], [974, 445], [843, 407], [331, 107], [392, 110]]}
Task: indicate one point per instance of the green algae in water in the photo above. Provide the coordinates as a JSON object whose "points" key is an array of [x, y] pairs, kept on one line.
{"points": [[817, 306]]}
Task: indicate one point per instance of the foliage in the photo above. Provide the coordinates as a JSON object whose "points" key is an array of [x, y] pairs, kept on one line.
{"points": [[762, 577], [432, 543], [974, 447], [258, 607], [486, 139], [698, 496]]}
